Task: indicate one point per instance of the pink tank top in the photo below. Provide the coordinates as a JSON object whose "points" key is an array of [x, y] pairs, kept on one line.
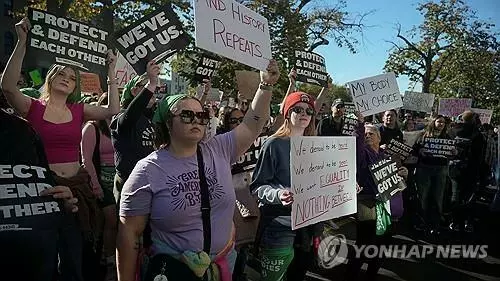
{"points": [[61, 141]]}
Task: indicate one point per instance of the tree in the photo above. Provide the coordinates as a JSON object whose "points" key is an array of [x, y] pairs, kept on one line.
{"points": [[449, 27]]}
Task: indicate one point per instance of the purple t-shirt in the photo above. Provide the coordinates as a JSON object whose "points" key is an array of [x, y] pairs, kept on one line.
{"points": [[167, 188]]}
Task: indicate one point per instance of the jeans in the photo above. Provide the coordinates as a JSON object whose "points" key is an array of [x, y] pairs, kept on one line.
{"points": [[431, 184]]}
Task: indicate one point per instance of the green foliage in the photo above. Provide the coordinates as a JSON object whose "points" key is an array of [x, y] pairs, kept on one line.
{"points": [[452, 53]]}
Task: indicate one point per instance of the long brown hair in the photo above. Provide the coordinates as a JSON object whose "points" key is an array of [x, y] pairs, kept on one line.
{"points": [[286, 129], [431, 129]]}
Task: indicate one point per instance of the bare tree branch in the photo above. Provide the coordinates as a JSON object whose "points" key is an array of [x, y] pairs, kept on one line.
{"points": [[410, 44], [302, 4]]}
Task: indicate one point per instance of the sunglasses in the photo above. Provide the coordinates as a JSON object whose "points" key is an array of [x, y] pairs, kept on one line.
{"points": [[188, 116], [299, 110], [234, 120]]}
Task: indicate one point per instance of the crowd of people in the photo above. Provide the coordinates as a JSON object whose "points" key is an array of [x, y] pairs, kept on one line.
{"points": [[135, 188]]}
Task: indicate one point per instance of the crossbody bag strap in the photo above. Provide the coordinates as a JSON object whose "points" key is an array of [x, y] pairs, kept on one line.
{"points": [[205, 203]]}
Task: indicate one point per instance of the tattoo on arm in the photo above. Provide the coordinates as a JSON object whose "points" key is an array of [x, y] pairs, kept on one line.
{"points": [[256, 118], [137, 245]]}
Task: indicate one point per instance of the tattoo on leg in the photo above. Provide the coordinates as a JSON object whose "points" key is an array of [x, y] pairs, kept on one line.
{"points": [[256, 118]]}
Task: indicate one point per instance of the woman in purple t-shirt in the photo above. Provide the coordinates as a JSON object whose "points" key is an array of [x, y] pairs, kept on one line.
{"points": [[164, 188]]}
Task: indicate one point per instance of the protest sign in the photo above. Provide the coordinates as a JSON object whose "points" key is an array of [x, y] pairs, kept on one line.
{"points": [[410, 138], [385, 175], [206, 68], [311, 68], [484, 114], [439, 147], [156, 36], [214, 94], [123, 71], [323, 186], [90, 83], [349, 126], [418, 101], [248, 83], [453, 107], [247, 161], [36, 77], [54, 39], [350, 109], [230, 29], [376, 94], [397, 147]]}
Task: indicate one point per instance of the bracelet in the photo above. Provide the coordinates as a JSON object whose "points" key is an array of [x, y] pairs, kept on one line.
{"points": [[265, 87], [266, 84]]}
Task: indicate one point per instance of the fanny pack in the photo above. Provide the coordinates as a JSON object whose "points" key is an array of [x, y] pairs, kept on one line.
{"points": [[191, 266]]}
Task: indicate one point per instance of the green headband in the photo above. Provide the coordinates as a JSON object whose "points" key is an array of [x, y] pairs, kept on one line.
{"points": [[127, 89], [165, 106]]}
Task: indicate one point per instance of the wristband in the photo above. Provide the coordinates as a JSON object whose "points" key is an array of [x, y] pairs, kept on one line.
{"points": [[265, 86]]}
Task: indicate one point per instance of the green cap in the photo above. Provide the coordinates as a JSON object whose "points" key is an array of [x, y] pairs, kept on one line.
{"points": [[31, 92], [164, 107]]}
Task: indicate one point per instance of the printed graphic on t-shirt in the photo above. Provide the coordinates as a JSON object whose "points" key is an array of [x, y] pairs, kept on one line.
{"points": [[147, 137], [185, 189], [21, 206]]}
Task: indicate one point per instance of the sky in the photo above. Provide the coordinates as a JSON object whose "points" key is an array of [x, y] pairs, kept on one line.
{"points": [[373, 51]]}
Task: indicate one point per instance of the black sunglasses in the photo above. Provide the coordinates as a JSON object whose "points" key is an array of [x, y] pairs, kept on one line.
{"points": [[188, 116], [299, 110], [234, 120]]}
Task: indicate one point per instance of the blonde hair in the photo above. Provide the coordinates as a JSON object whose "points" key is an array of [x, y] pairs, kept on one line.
{"points": [[286, 129], [74, 97]]}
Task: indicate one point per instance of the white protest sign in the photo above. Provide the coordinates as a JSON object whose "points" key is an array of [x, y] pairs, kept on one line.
{"points": [[418, 101], [484, 114], [323, 178], [232, 30], [453, 107], [123, 71], [214, 94], [410, 138], [375, 94]]}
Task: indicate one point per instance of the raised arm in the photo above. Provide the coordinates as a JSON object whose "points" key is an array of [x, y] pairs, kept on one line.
{"points": [[207, 86], [322, 95], [16, 99], [94, 112], [291, 87], [258, 112], [140, 102]]}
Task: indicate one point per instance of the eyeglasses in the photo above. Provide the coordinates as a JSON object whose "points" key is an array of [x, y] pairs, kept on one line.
{"points": [[234, 120], [299, 110], [188, 116]]}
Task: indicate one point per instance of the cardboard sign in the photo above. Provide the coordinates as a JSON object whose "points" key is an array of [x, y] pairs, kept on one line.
{"points": [[247, 161], [206, 68], [410, 138], [311, 68], [324, 187], [418, 101], [453, 107], [385, 175], [349, 126], [90, 83], [36, 77], [439, 147], [397, 147], [54, 39], [230, 29], [157, 36], [376, 94], [123, 71], [248, 83], [484, 114]]}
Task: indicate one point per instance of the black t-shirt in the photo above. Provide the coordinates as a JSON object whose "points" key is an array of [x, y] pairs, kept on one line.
{"points": [[387, 134], [29, 223], [328, 127], [132, 134]]}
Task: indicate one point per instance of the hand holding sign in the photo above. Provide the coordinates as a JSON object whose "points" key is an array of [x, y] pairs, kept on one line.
{"points": [[64, 193], [286, 197], [111, 61], [22, 29], [292, 76], [272, 73], [153, 71], [207, 86]]}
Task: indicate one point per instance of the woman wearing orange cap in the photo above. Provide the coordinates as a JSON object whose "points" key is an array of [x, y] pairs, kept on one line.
{"points": [[271, 183]]}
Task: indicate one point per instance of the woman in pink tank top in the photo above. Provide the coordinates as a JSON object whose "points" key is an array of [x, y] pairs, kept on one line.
{"points": [[58, 118]]}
